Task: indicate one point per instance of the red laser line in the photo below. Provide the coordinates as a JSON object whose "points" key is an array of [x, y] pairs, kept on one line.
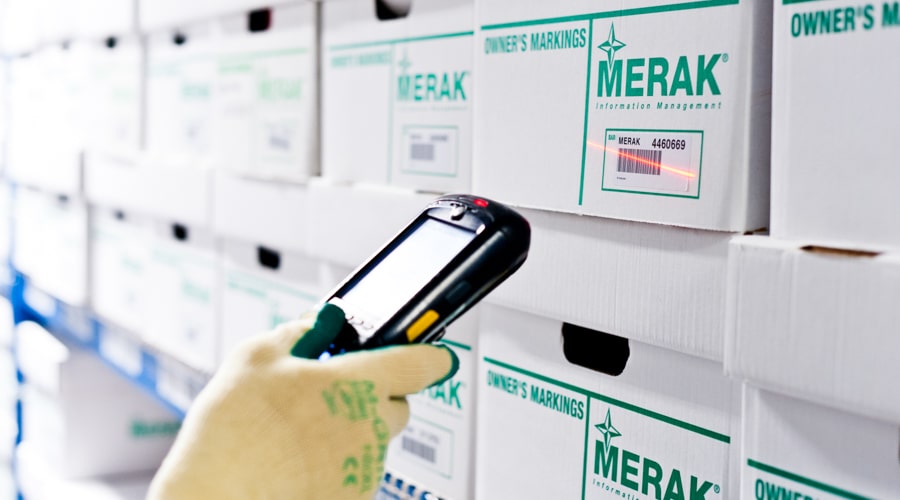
{"points": [[667, 168]]}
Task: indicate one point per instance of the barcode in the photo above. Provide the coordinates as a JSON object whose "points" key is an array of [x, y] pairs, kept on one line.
{"points": [[639, 161], [419, 151], [419, 449]]}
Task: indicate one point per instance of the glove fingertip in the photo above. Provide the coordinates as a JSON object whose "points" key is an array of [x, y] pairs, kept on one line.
{"points": [[454, 365], [329, 322]]}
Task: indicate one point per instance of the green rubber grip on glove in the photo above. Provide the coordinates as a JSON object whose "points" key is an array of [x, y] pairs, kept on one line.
{"points": [[329, 322]]}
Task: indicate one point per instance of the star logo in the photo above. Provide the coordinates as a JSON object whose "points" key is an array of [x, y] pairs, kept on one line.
{"points": [[609, 432], [404, 63], [611, 45]]}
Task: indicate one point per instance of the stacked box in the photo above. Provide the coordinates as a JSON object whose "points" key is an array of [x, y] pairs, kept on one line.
{"points": [[653, 423], [82, 419], [654, 112], [834, 150], [797, 449], [397, 95]]}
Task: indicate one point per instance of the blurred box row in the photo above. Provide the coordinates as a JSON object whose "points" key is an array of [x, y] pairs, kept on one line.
{"points": [[559, 411], [549, 106]]}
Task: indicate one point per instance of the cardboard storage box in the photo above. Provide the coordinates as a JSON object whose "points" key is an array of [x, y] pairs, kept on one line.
{"points": [[794, 449], [265, 111], [651, 283], [347, 224], [50, 243], [436, 450], [48, 93], [834, 147], [665, 426], [655, 112], [120, 267], [173, 13], [815, 322], [115, 95], [271, 213], [143, 183], [180, 83], [38, 480], [185, 295], [263, 287], [84, 419], [397, 94]]}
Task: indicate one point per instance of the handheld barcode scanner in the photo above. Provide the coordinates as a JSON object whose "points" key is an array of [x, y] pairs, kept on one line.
{"points": [[454, 253]]}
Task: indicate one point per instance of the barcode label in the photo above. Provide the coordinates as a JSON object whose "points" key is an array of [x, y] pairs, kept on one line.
{"points": [[639, 161], [419, 449], [649, 162], [419, 151]]}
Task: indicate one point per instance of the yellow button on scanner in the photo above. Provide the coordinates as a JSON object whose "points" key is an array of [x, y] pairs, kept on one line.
{"points": [[420, 325]]}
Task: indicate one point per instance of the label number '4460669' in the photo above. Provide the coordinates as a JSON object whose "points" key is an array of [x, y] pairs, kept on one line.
{"points": [[678, 144]]}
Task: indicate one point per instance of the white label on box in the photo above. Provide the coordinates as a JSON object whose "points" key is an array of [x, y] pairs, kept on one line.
{"points": [[651, 162], [176, 384], [628, 451], [121, 351], [429, 444], [430, 150], [41, 302]]}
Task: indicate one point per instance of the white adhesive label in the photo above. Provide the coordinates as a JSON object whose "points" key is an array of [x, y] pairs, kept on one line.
{"points": [[121, 351], [651, 161], [428, 444], [430, 150]]}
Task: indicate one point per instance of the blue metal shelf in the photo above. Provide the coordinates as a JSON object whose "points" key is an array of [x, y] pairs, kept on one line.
{"points": [[168, 381]]}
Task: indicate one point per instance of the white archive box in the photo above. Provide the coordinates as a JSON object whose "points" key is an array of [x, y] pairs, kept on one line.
{"points": [[800, 450], [347, 224], [653, 424], [834, 150], [185, 295], [657, 284], [147, 184], [172, 13], [6, 218], [38, 480], [83, 417], [47, 95], [397, 94], [263, 287], [114, 95], [120, 267], [274, 214], [435, 452], [102, 18], [652, 110], [265, 111], [816, 323], [50, 243], [180, 88], [18, 26]]}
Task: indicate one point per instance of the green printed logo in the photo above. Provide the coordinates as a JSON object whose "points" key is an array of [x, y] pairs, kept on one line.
{"points": [[280, 89], [141, 429], [446, 393], [626, 474], [655, 76], [430, 87]]}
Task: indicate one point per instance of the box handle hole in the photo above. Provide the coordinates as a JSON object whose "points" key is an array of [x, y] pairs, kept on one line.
{"points": [[180, 232], [268, 258], [595, 350], [387, 10], [259, 20]]}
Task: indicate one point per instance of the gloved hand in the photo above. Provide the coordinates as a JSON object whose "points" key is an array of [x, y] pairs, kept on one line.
{"points": [[274, 426]]}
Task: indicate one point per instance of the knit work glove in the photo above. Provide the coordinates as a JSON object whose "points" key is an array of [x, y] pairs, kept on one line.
{"points": [[270, 425]]}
